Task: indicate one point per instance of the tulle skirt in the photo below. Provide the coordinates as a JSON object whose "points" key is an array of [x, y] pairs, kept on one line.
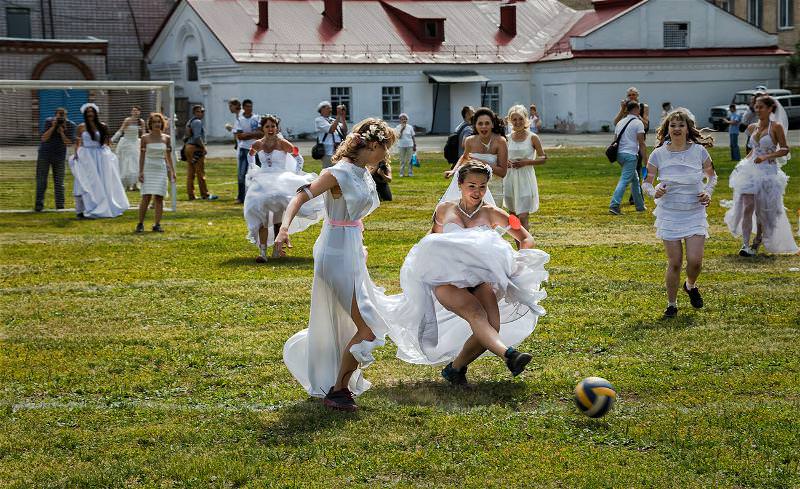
{"points": [[767, 183], [427, 333], [97, 187], [267, 197]]}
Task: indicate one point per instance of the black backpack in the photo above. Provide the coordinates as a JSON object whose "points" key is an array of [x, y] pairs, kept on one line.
{"points": [[451, 146]]}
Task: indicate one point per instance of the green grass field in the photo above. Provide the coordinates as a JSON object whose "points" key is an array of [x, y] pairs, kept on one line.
{"points": [[156, 360]]}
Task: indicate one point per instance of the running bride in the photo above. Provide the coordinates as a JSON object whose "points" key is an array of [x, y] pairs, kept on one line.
{"points": [[465, 289]]}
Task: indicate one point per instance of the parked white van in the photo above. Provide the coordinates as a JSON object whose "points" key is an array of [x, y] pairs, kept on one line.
{"points": [[742, 101]]}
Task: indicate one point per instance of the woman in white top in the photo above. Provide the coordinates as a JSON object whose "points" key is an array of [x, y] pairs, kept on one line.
{"points": [[758, 185], [488, 145], [155, 167], [406, 144], [465, 290], [344, 325], [270, 188], [681, 162], [520, 190], [128, 148]]}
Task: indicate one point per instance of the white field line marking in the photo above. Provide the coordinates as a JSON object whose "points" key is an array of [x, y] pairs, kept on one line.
{"points": [[164, 406]]}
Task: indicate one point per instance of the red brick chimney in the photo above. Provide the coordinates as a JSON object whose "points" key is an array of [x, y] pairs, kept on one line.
{"points": [[263, 14], [333, 12], [508, 19]]}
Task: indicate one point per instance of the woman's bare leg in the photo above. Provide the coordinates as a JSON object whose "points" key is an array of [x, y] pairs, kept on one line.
{"points": [[467, 306], [263, 236], [748, 208], [472, 348], [143, 205], [349, 363], [159, 210], [695, 246], [674, 250]]}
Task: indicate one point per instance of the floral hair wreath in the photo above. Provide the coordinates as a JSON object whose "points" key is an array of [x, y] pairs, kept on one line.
{"points": [[92, 105], [373, 133]]}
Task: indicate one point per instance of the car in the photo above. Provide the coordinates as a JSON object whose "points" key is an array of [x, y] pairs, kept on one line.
{"points": [[742, 101]]}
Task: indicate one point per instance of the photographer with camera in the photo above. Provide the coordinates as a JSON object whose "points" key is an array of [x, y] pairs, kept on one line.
{"points": [[330, 130], [196, 154], [58, 134]]}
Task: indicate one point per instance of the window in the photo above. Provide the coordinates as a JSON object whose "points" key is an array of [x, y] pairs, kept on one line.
{"points": [[392, 103], [18, 22], [755, 12], [785, 14], [728, 5], [191, 68], [676, 35], [490, 97], [342, 96], [431, 30]]}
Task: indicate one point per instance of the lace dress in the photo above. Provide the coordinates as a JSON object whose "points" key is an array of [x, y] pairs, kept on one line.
{"points": [[314, 355], [97, 187], [155, 170], [520, 190], [128, 155], [767, 183]]}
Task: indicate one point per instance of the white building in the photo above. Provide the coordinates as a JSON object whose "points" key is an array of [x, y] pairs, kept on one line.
{"points": [[429, 58]]}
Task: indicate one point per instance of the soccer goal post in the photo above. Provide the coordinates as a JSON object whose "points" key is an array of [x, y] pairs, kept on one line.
{"points": [[25, 106]]}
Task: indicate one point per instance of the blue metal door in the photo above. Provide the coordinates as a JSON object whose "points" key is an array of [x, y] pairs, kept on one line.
{"points": [[50, 100]]}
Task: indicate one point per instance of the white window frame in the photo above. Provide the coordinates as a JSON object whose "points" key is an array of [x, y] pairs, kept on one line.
{"points": [[489, 99], [338, 98], [786, 7], [390, 98], [755, 12], [676, 23]]}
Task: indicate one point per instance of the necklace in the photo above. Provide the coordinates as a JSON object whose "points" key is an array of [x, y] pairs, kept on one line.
{"points": [[486, 145], [468, 214]]}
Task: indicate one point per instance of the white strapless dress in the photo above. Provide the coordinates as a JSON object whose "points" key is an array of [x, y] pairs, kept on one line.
{"points": [[128, 155], [427, 333]]}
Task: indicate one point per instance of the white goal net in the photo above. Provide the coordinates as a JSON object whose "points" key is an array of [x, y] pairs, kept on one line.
{"points": [[25, 106]]}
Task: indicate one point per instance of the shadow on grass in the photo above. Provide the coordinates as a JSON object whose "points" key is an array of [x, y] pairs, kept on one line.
{"points": [[297, 421], [250, 262], [685, 320], [508, 393], [744, 261]]}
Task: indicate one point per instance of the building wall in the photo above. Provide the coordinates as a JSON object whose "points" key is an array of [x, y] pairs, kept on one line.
{"points": [[592, 89], [787, 38]]}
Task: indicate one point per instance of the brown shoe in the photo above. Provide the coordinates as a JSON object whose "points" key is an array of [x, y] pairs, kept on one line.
{"points": [[341, 400]]}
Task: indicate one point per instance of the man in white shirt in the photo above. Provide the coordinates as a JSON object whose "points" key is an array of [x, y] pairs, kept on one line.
{"points": [[330, 131], [248, 131], [631, 132]]}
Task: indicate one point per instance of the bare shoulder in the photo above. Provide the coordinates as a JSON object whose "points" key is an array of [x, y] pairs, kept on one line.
{"points": [[285, 145]]}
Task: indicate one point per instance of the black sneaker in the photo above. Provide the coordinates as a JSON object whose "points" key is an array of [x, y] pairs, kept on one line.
{"points": [[671, 312], [694, 296], [139, 228], [516, 361], [615, 210], [456, 377], [746, 252], [157, 228], [79, 216], [341, 400]]}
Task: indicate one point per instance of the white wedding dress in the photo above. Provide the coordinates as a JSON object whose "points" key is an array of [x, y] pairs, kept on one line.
{"points": [[128, 155], [314, 355], [97, 187], [270, 188]]}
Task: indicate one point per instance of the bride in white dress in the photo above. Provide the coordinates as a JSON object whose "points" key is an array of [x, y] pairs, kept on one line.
{"points": [[271, 187], [465, 290], [520, 189], [127, 151], [97, 187], [344, 325]]}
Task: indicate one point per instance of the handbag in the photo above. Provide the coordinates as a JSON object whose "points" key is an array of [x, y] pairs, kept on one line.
{"points": [[613, 148], [318, 151]]}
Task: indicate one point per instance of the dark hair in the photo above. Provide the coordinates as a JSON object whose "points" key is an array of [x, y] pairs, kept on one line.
{"points": [[630, 105], [98, 126], [247, 101], [474, 166], [234, 101], [136, 106], [465, 110], [499, 125], [61, 109], [270, 117], [665, 105], [768, 101], [732, 106]]}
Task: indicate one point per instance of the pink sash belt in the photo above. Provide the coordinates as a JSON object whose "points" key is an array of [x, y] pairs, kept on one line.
{"points": [[346, 224]]}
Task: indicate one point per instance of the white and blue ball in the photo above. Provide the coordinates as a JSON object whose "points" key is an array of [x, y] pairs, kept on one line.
{"points": [[595, 396]]}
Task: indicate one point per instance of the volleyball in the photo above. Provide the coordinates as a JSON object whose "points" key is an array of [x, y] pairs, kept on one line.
{"points": [[595, 396]]}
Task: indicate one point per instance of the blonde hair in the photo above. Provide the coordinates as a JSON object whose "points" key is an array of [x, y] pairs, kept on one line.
{"points": [[694, 135], [160, 116], [368, 130], [519, 110]]}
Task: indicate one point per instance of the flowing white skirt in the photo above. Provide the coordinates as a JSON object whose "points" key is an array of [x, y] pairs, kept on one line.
{"points": [[427, 333], [679, 213], [267, 197], [128, 160], [97, 188], [520, 190], [767, 183], [313, 355]]}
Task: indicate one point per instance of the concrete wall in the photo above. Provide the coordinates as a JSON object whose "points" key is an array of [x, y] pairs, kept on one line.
{"points": [[787, 38]]}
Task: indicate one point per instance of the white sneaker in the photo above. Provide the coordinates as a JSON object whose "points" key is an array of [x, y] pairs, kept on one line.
{"points": [[746, 252]]}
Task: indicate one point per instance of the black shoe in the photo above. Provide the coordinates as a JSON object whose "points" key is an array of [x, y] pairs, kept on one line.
{"points": [[80, 216], [456, 377], [157, 228], [746, 252], [694, 296], [139, 228], [615, 210], [516, 361], [341, 400], [671, 312], [38, 209]]}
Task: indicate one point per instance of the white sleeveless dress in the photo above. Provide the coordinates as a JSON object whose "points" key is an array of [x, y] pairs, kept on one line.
{"points": [[520, 190], [97, 187], [270, 188], [679, 213], [314, 355], [767, 183], [128, 155], [155, 170], [427, 333]]}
